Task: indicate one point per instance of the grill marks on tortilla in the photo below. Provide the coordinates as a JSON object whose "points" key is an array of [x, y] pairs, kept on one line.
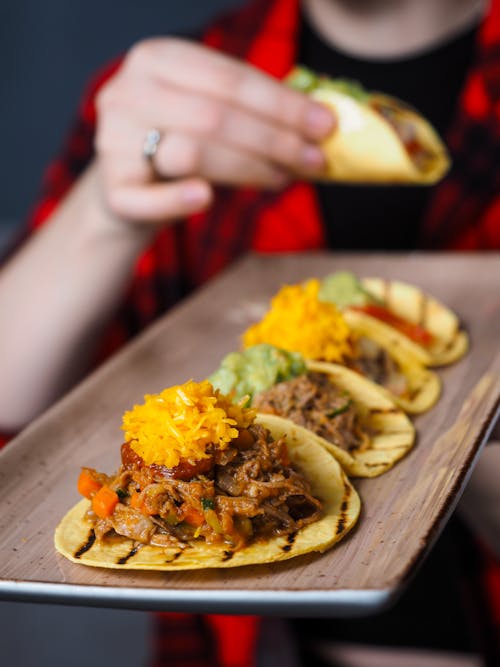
{"points": [[123, 560], [227, 556], [86, 545], [450, 344], [425, 310], [290, 542], [177, 555], [344, 507]]}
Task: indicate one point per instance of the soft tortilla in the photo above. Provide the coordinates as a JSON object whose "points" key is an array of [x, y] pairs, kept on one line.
{"points": [[412, 304], [328, 482], [394, 432], [424, 385], [365, 148]]}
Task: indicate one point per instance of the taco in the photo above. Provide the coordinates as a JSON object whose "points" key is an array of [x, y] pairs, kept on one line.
{"points": [[345, 413], [303, 319], [414, 324], [203, 484], [378, 139]]}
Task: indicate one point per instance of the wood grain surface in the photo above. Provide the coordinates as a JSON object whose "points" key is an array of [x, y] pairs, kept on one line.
{"points": [[403, 510]]}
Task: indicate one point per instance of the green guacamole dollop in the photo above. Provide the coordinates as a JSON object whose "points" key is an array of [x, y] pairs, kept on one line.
{"points": [[344, 289], [256, 369]]}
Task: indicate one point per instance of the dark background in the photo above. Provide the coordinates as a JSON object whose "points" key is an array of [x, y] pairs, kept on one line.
{"points": [[48, 51]]}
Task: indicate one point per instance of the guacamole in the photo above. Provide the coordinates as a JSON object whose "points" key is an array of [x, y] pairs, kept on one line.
{"points": [[344, 289], [256, 369]]}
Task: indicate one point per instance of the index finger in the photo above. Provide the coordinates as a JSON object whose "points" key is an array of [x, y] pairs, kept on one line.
{"points": [[198, 68]]}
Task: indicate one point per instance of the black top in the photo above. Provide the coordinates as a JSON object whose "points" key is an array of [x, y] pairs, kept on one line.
{"points": [[388, 217]]}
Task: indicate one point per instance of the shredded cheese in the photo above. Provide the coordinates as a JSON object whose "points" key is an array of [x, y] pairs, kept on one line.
{"points": [[181, 421], [299, 322]]}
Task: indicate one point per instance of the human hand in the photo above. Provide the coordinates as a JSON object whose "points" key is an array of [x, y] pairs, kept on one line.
{"points": [[220, 121]]}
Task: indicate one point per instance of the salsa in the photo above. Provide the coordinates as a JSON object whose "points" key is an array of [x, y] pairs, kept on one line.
{"points": [[416, 332]]}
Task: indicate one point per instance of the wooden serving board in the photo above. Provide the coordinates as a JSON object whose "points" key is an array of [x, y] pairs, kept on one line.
{"points": [[403, 510]]}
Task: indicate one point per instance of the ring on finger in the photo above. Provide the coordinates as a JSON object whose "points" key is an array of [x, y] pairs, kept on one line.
{"points": [[151, 143]]}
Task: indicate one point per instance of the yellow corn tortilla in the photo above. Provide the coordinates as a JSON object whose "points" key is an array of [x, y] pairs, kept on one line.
{"points": [[365, 148], [395, 434], [341, 506], [424, 384], [412, 304]]}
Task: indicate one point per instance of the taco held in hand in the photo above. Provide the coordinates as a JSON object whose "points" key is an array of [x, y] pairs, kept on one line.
{"points": [[345, 413], [203, 485], [378, 138]]}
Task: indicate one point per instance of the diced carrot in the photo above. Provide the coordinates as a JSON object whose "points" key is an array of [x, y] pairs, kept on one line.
{"points": [[104, 502], [192, 516], [87, 485]]}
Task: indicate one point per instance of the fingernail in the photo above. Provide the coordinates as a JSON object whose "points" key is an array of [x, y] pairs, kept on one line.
{"points": [[319, 120], [313, 158], [195, 194]]}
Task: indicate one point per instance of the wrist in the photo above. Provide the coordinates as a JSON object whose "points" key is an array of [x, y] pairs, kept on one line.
{"points": [[98, 223]]}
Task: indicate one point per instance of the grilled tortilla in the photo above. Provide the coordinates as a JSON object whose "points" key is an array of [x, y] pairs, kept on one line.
{"points": [[422, 387], [378, 138], [388, 433], [449, 343], [373, 432], [75, 537]]}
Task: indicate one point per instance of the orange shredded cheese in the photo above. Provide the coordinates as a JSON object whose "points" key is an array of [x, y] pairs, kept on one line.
{"points": [[299, 322], [181, 421]]}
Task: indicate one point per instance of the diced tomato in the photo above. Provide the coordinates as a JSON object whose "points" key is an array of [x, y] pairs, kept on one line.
{"points": [[185, 470], [245, 439], [130, 458], [413, 331]]}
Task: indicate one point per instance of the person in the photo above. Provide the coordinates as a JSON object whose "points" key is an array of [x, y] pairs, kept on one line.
{"points": [[184, 156]]}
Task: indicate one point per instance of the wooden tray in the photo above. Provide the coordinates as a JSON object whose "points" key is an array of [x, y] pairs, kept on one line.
{"points": [[403, 510]]}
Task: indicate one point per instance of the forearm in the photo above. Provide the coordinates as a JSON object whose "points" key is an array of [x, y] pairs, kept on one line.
{"points": [[56, 295]]}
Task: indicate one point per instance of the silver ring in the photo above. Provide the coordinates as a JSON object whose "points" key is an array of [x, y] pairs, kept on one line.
{"points": [[151, 142]]}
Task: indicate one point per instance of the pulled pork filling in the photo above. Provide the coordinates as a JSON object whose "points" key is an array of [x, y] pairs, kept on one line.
{"points": [[245, 493], [375, 363], [313, 402]]}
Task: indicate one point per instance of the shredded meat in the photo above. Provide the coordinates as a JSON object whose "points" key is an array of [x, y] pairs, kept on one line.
{"points": [[375, 363], [312, 401], [251, 492]]}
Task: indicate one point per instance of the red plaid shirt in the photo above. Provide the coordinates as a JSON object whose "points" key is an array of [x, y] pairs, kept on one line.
{"points": [[463, 214]]}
